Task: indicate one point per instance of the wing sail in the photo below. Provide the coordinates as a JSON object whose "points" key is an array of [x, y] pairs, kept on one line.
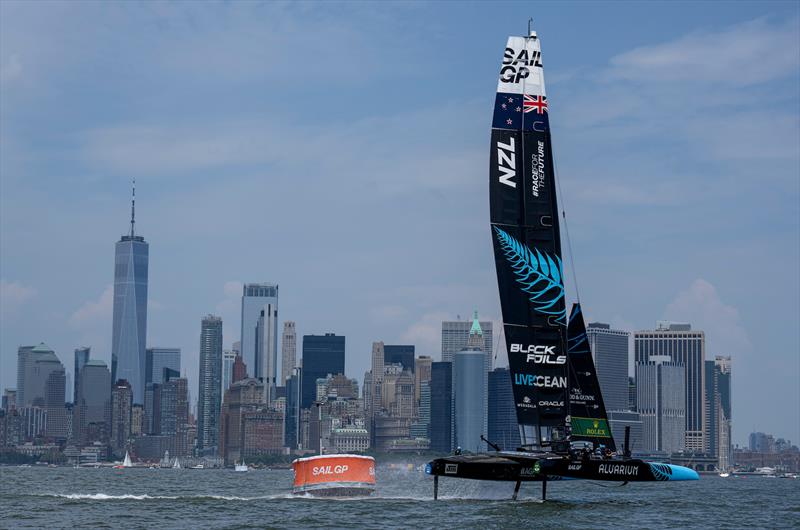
{"points": [[526, 238]]}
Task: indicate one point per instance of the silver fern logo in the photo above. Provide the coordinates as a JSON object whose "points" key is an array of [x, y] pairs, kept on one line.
{"points": [[539, 275]]}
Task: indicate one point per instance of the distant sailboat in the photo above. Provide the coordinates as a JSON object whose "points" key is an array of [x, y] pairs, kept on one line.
{"points": [[125, 463], [241, 467]]}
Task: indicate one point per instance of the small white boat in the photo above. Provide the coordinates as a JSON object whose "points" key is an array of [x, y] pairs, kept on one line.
{"points": [[241, 467], [125, 463], [724, 475], [176, 464], [198, 466]]}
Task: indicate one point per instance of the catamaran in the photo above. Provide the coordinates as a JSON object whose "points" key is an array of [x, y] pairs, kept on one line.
{"points": [[563, 423]]}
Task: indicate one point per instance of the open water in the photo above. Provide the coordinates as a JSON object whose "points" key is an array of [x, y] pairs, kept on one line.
{"points": [[38, 497]]}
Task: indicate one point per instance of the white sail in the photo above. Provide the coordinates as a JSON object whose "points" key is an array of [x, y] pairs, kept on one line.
{"points": [[127, 461]]}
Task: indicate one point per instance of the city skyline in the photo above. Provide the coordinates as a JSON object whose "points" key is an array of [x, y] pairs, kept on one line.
{"points": [[336, 283]]}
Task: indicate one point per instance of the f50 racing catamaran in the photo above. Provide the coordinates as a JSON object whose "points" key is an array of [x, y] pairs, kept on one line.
{"points": [[558, 401]]}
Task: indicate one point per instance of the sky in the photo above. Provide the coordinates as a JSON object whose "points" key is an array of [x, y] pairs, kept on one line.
{"points": [[341, 151]]}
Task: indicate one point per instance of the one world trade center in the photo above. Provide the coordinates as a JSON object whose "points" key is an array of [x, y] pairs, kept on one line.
{"points": [[131, 257]]}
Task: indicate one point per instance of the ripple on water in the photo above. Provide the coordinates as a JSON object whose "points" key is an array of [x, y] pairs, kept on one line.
{"points": [[46, 498]]}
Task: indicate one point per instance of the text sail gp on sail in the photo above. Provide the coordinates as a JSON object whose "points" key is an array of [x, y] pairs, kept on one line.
{"points": [[527, 242], [555, 386]]}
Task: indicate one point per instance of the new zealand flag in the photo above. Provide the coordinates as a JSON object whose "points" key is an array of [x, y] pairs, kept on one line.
{"points": [[511, 111]]}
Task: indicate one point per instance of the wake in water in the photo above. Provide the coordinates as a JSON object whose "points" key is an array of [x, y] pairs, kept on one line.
{"points": [[145, 497], [127, 497]]}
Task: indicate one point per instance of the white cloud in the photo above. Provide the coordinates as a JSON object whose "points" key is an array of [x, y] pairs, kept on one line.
{"points": [[745, 54], [14, 294], [426, 334], [388, 313], [92, 312], [702, 306]]}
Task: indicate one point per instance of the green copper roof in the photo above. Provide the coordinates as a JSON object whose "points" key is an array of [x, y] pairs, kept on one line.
{"points": [[476, 326], [96, 362]]}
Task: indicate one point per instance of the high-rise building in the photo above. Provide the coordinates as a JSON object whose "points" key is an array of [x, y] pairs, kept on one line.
{"points": [[469, 399], [121, 409], [618, 420], [661, 397], [399, 354], [718, 413], [422, 373], [35, 363], [152, 409], [24, 357], [441, 407], [455, 335], [228, 358], [288, 351], [255, 297], [266, 356], [610, 351], [397, 392], [129, 334], [503, 428], [292, 416], [9, 399], [81, 358], [92, 410], [242, 396], [137, 420], [631, 393], [262, 433], [209, 385], [239, 370], [685, 347], [759, 442], [158, 358], [54, 388], [322, 355], [473, 335], [422, 427], [174, 414], [373, 386]]}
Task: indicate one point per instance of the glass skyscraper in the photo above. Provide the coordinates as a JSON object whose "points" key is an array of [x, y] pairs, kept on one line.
{"points": [[610, 351], [685, 347], [503, 427], [255, 297], [719, 414], [156, 359], [322, 355], [210, 385], [441, 407], [81, 358], [401, 354], [131, 257], [469, 399]]}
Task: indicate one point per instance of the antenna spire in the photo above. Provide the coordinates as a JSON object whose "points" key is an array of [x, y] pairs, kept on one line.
{"points": [[133, 206]]}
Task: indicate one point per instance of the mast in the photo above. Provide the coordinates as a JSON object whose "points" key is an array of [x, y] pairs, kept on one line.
{"points": [[133, 207], [527, 241]]}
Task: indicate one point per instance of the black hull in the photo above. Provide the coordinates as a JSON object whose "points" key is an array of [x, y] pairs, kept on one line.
{"points": [[533, 467]]}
